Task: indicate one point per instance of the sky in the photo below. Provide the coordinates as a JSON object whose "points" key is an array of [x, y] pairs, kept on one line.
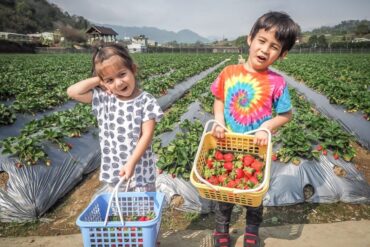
{"points": [[214, 18]]}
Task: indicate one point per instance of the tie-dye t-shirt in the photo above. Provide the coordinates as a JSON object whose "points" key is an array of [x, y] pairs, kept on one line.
{"points": [[249, 98]]}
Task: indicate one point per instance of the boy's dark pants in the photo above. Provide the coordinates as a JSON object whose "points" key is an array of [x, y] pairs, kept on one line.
{"points": [[223, 212]]}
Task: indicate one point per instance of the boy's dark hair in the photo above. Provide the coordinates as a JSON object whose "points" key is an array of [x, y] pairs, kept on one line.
{"points": [[287, 30], [105, 52]]}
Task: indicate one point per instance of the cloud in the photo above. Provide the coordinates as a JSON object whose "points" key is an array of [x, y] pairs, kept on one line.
{"points": [[221, 18]]}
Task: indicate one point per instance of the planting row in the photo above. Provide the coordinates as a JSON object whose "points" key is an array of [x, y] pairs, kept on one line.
{"points": [[307, 136], [343, 78], [54, 129], [33, 83]]}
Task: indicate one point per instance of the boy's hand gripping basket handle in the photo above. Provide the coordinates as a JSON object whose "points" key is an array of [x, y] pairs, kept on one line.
{"points": [[115, 194], [235, 191]]}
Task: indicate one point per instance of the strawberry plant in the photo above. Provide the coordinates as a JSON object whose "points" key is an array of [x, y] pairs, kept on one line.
{"points": [[177, 158], [54, 128], [310, 134], [343, 78], [28, 149], [7, 115]]}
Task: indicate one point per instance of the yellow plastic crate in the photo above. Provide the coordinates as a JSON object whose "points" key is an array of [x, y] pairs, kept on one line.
{"points": [[233, 142]]}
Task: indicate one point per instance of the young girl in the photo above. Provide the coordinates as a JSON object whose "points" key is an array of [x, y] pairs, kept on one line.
{"points": [[245, 95], [126, 118]]}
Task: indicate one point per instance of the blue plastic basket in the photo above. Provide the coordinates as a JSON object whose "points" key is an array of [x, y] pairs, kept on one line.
{"points": [[132, 233]]}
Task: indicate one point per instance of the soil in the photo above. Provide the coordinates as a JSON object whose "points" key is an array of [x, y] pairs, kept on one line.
{"points": [[61, 219]]}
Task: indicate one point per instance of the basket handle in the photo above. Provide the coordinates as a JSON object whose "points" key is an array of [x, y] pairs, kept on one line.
{"points": [[198, 153], [115, 194], [212, 121]]}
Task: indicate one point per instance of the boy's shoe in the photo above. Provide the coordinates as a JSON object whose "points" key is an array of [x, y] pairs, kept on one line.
{"points": [[251, 240], [221, 239]]}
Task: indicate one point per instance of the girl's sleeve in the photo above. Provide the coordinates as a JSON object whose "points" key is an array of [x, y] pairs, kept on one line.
{"points": [[217, 87], [282, 102], [96, 103], [152, 110]]}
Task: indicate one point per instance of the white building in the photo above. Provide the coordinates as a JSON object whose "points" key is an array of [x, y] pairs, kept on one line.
{"points": [[136, 47]]}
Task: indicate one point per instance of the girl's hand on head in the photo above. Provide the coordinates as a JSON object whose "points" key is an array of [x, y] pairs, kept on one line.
{"points": [[127, 171], [260, 138], [218, 132], [102, 86]]}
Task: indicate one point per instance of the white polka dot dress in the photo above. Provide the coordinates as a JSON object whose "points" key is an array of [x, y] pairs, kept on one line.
{"points": [[119, 131]]}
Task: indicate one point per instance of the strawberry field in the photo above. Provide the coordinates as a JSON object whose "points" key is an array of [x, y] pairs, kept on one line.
{"points": [[343, 78], [35, 86]]}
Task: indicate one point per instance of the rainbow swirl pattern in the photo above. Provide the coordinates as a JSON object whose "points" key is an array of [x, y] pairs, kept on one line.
{"points": [[247, 102]]}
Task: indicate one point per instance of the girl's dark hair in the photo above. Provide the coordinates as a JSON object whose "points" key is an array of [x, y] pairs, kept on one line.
{"points": [[287, 30], [105, 52]]}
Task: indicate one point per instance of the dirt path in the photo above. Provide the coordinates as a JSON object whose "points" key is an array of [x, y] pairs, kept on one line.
{"points": [[349, 233]]}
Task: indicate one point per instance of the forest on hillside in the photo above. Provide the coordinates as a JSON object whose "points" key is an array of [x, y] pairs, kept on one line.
{"points": [[358, 27], [32, 16]]}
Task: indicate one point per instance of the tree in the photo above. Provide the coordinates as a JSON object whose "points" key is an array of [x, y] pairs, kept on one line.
{"points": [[241, 41], [321, 42], [362, 28], [313, 41], [73, 35]]}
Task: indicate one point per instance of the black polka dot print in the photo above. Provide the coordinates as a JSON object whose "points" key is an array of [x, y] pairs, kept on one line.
{"points": [[120, 125]]}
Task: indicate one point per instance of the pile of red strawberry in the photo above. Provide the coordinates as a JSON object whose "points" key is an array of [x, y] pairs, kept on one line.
{"points": [[233, 170]]}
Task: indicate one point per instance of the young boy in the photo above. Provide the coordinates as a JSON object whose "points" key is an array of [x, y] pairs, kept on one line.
{"points": [[245, 95]]}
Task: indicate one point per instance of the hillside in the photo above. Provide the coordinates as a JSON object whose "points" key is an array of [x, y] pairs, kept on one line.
{"points": [[31, 16], [159, 35], [345, 27]]}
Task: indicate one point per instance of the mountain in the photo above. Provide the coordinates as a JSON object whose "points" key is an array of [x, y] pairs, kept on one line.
{"points": [[159, 35]]}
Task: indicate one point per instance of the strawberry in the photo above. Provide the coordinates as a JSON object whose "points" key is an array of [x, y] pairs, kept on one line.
{"points": [[219, 155], [222, 178], [319, 148], [210, 163], [143, 218], [213, 180], [336, 156], [228, 166], [248, 172], [274, 157], [257, 165], [173, 175], [248, 160], [239, 173], [228, 157], [231, 184], [160, 171], [254, 180], [258, 175], [324, 152]]}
